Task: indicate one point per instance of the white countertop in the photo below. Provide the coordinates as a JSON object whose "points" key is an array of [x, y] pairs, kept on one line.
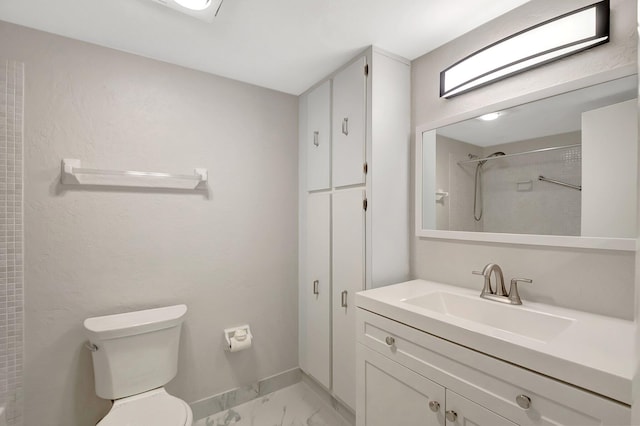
{"points": [[595, 352]]}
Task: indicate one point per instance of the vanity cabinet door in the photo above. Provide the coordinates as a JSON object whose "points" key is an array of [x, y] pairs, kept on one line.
{"points": [[318, 137], [317, 290], [348, 278], [390, 394], [462, 412], [349, 106]]}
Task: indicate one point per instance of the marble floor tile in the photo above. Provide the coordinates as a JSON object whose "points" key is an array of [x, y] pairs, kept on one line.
{"points": [[296, 405]]}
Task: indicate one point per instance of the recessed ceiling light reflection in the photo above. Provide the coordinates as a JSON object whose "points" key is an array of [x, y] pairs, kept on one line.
{"points": [[490, 117], [194, 4]]}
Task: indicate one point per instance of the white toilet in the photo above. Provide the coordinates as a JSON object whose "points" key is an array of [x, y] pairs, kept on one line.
{"points": [[134, 355]]}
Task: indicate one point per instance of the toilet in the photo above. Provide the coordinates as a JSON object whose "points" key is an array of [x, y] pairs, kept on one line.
{"points": [[134, 355]]}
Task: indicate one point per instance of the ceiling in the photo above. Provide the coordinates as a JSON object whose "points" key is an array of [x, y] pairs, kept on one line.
{"points": [[559, 114], [286, 45]]}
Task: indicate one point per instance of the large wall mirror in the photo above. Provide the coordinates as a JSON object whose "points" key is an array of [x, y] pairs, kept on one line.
{"points": [[557, 171]]}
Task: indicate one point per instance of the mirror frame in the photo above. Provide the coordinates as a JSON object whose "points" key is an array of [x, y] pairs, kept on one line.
{"points": [[599, 243]]}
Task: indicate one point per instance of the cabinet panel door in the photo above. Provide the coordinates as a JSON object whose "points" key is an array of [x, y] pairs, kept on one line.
{"points": [[318, 137], [348, 278], [468, 413], [349, 107], [317, 288], [390, 394]]}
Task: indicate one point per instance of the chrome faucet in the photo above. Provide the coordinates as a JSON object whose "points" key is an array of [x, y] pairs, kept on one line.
{"points": [[500, 293], [488, 288]]}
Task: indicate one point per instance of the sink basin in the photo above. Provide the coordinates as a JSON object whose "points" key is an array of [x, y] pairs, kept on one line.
{"points": [[518, 320]]}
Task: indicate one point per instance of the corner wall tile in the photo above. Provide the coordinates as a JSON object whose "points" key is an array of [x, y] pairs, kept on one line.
{"points": [[11, 239]]}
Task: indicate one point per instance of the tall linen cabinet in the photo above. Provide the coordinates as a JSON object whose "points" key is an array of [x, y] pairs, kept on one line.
{"points": [[354, 228]]}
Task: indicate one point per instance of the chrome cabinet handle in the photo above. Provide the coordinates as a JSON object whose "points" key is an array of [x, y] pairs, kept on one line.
{"points": [[316, 285], [434, 405], [523, 401], [344, 299], [316, 138], [390, 341], [345, 126], [451, 415]]}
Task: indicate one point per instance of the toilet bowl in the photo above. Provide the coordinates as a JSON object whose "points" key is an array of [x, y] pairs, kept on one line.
{"points": [[134, 355], [155, 407]]}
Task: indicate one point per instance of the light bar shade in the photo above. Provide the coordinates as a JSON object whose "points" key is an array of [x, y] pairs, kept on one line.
{"points": [[551, 40]]}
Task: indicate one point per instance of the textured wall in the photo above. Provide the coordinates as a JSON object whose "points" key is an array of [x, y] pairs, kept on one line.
{"points": [[230, 256], [568, 277], [11, 239]]}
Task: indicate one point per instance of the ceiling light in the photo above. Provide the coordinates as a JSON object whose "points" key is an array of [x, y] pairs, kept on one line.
{"points": [[490, 117], [194, 4], [205, 10], [556, 38]]}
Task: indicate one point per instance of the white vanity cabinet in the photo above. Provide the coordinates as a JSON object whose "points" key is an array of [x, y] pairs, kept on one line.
{"points": [[462, 411], [395, 395], [400, 368], [363, 169]]}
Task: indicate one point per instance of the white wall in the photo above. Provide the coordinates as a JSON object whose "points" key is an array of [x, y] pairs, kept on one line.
{"points": [[567, 277], [635, 408], [455, 212], [230, 256], [609, 196]]}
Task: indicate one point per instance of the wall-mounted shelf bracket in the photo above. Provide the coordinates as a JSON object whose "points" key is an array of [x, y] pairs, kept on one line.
{"points": [[74, 174], [441, 194]]}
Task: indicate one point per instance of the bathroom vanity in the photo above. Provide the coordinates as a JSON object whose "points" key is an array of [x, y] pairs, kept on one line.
{"points": [[435, 354]]}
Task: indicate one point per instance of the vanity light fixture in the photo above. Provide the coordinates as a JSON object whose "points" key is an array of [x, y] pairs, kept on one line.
{"points": [[556, 38], [205, 10]]}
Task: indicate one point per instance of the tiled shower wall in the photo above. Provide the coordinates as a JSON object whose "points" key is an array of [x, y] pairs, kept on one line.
{"points": [[515, 201], [11, 239]]}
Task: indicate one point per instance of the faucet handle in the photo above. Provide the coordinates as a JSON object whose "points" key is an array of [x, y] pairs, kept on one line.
{"points": [[477, 272], [514, 296]]}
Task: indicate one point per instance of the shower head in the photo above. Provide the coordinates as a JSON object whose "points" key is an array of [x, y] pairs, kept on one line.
{"points": [[495, 154]]}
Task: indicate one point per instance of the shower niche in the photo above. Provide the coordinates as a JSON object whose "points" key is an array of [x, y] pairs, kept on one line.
{"points": [[561, 170]]}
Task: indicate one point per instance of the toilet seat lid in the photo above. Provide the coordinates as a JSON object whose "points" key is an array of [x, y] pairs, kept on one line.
{"points": [[155, 407]]}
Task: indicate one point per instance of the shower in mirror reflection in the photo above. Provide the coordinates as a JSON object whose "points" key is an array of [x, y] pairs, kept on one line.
{"points": [[477, 193]]}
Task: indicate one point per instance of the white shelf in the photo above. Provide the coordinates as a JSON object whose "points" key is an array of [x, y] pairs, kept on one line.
{"points": [[74, 174]]}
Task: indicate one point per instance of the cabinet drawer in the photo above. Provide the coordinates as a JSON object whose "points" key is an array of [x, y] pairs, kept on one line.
{"points": [[488, 381]]}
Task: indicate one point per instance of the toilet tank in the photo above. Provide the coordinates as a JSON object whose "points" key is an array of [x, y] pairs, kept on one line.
{"points": [[136, 351]]}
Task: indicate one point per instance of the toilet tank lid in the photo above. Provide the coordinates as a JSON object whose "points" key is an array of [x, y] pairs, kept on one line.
{"points": [[130, 323]]}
